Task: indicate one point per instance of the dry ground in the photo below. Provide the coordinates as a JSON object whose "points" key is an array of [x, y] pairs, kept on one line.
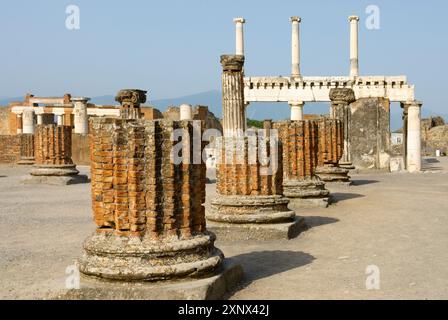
{"points": [[397, 222]]}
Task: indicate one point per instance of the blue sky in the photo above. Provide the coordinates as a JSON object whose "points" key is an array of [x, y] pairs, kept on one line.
{"points": [[172, 48]]}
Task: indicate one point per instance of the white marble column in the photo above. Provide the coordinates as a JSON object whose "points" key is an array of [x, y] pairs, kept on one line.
{"points": [[60, 119], [354, 62], [414, 155], [28, 121], [40, 119], [81, 119], [239, 36], [295, 47], [296, 110], [19, 123], [186, 112]]}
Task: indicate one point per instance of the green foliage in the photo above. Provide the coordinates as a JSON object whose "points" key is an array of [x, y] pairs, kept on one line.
{"points": [[254, 123]]}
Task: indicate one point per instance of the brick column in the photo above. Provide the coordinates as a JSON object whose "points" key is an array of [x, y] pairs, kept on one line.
{"points": [[340, 106], [300, 156], [250, 202], [331, 147], [148, 209], [53, 157]]}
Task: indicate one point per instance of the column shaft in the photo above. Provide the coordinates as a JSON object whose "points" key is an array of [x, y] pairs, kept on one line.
{"points": [[414, 157], [296, 111], [239, 36], [354, 62], [295, 47]]}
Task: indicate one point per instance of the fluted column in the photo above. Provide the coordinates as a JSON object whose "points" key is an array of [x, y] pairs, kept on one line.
{"points": [[28, 121], [354, 62], [233, 107], [81, 118]]}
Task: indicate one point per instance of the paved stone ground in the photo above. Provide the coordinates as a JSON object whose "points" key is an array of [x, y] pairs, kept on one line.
{"points": [[398, 222]]}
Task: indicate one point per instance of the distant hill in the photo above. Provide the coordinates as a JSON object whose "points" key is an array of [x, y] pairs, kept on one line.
{"points": [[256, 111]]}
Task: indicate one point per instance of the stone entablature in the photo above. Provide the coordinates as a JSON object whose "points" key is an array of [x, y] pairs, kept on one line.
{"points": [[317, 89]]}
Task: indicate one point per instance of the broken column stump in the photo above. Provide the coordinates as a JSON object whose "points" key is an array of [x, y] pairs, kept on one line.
{"points": [[250, 202], [300, 157], [331, 144], [53, 157], [149, 216]]}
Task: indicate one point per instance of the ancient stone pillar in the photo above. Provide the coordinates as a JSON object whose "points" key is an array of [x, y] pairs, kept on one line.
{"points": [[19, 123], [296, 110], [340, 106], [53, 160], [130, 100], [300, 158], [186, 112], [354, 62], [26, 149], [239, 36], [81, 118], [404, 106], [28, 121], [414, 156], [39, 118], [331, 146], [295, 47], [233, 107], [147, 205], [60, 119], [250, 202]]}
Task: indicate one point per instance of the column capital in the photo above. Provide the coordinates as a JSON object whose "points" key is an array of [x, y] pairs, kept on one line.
{"points": [[296, 103], [342, 95], [353, 18], [232, 62], [413, 103], [295, 19], [239, 20], [80, 99]]}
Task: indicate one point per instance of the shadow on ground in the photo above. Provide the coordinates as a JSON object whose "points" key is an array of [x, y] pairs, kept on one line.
{"points": [[316, 221], [262, 264], [2, 176], [340, 196], [363, 182]]}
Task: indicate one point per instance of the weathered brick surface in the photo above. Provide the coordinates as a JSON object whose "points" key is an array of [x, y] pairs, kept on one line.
{"points": [[331, 141], [9, 148], [52, 145], [136, 187], [244, 170], [14, 147], [300, 148], [26, 145]]}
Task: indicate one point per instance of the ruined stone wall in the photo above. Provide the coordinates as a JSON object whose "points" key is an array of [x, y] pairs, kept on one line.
{"points": [[4, 121], [437, 139], [331, 141], [53, 145], [370, 133], [136, 187], [248, 166], [80, 149], [9, 148], [300, 148], [13, 147], [26, 145]]}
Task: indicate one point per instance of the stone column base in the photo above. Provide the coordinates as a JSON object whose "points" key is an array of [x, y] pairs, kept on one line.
{"points": [[253, 217], [111, 257], [55, 175], [26, 161], [215, 287], [331, 173], [308, 193], [347, 165]]}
